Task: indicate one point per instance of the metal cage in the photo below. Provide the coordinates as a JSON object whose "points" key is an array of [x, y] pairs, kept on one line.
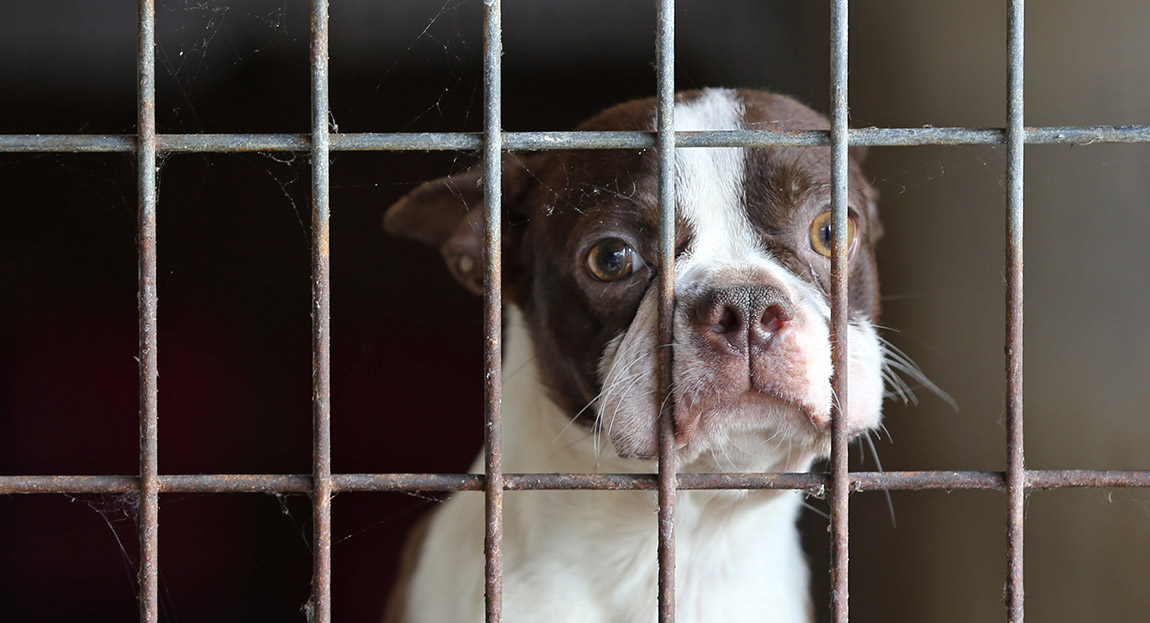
{"points": [[839, 483]]}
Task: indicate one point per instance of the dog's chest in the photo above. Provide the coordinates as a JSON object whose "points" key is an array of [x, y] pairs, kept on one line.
{"points": [[572, 562]]}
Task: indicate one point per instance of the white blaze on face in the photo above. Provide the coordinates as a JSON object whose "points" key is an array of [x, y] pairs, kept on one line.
{"points": [[726, 250], [710, 181]]}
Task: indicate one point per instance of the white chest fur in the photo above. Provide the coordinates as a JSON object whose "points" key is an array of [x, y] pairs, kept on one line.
{"points": [[575, 556]]}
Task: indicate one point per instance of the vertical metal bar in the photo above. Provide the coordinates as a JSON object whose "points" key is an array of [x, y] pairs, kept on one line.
{"points": [[493, 310], [1015, 467], [840, 477], [146, 165], [321, 318], [665, 126]]}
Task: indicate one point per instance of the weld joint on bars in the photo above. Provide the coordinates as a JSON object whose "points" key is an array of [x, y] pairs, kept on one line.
{"points": [[537, 141], [811, 483]]}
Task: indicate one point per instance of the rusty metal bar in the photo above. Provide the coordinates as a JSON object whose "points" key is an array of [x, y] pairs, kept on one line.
{"points": [[1016, 485], [814, 483], [149, 579], [536, 141], [321, 318], [665, 143], [839, 483], [493, 309]]}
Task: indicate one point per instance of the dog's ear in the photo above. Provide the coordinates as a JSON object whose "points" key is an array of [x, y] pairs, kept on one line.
{"points": [[448, 213]]}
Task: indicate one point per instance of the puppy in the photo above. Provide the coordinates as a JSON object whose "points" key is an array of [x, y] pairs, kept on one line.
{"points": [[752, 367]]}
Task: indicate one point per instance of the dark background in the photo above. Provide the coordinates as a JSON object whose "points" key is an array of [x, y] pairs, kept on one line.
{"points": [[406, 342]]}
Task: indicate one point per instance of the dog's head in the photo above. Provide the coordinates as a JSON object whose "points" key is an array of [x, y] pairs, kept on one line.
{"points": [[752, 354]]}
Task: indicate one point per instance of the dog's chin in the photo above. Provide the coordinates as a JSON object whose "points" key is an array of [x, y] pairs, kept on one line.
{"points": [[752, 432]]}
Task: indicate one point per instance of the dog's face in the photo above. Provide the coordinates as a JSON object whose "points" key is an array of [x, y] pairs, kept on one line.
{"points": [[752, 355]]}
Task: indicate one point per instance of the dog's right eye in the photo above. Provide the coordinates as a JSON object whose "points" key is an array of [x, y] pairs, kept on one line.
{"points": [[612, 259]]}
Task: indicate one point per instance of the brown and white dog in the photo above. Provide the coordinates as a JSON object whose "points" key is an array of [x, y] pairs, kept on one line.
{"points": [[752, 367]]}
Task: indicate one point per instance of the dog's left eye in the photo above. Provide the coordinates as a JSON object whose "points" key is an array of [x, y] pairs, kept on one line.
{"points": [[822, 237], [612, 259]]}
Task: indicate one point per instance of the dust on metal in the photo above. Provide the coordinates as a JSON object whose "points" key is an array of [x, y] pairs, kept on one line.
{"points": [[148, 573], [320, 605], [811, 482], [1016, 485], [839, 481], [540, 141], [493, 310], [665, 143]]}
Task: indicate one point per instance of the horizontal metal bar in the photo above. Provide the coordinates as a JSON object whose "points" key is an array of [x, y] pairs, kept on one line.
{"points": [[539, 141], [47, 143], [68, 484], [195, 143], [812, 482]]}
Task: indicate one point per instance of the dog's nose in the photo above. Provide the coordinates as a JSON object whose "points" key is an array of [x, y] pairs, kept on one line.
{"points": [[741, 318]]}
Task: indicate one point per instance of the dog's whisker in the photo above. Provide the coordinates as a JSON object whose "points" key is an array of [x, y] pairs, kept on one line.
{"points": [[614, 380], [878, 465], [591, 402], [507, 376], [597, 432], [816, 510], [898, 387], [571, 444], [729, 441], [895, 361], [883, 327], [617, 379], [611, 424]]}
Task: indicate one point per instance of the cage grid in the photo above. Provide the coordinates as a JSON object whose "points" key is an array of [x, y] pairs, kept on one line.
{"points": [[838, 483]]}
